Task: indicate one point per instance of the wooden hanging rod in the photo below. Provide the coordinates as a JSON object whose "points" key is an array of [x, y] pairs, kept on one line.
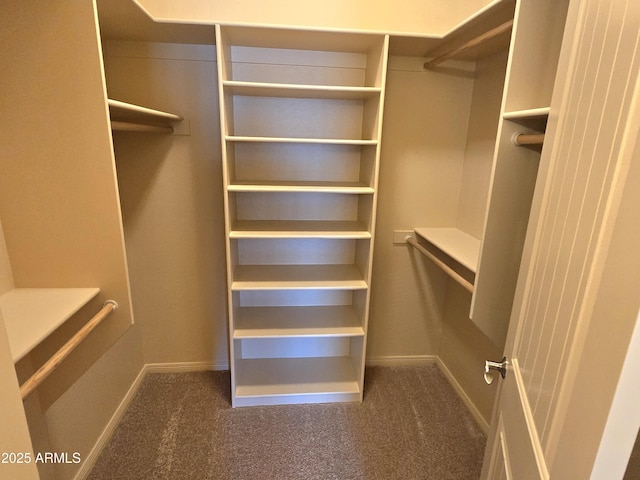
{"points": [[45, 370], [138, 127], [448, 270], [479, 40], [524, 139]]}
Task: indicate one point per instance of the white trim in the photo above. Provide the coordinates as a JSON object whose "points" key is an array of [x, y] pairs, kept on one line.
{"points": [[394, 360], [184, 367], [90, 460], [482, 422]]}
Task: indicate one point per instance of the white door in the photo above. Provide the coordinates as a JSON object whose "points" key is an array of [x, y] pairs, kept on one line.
{"points": [[573, 268]]}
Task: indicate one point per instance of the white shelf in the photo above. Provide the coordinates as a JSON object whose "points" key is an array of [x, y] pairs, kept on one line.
{"points": [[32, 314], [263, 89], [531, 113], [298, 229], [267, 381], [316, 321], [460, 246], [127, 117], [299, 186], [288, 277], [131, 112], [324, 141]]}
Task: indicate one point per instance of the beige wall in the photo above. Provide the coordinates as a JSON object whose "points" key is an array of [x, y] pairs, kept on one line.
{"points": [[171, 189], [464, 348], [425, 122]]}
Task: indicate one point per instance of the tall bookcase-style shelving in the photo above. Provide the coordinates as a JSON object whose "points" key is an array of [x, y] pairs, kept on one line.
{"points": [[301, 116]]}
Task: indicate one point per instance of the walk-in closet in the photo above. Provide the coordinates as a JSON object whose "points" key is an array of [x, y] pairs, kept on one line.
{"points": [[320, 220]]}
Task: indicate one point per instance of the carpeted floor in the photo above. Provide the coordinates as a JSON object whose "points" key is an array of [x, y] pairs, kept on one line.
{"points": [[180, 426]]}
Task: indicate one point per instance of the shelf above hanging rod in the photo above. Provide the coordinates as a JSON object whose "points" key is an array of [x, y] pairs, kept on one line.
{"points": [[522, 139], [446, 268], [479, 40], [34, 381]]}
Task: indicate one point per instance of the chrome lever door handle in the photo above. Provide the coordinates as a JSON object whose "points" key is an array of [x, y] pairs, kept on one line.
{"points": [[499, 366]]}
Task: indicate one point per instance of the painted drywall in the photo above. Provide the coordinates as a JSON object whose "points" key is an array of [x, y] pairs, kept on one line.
{"points": [[425, 121], [464, 348], [77, 420], [171, 190]]}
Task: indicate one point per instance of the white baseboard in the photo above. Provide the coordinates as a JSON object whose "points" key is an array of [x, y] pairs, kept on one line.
{"points": [[184, 367], [482, 422], [90, 460], [389, 361]]}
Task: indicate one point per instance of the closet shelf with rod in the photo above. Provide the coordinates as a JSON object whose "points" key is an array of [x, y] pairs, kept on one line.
{"points": [[32, 314], [33, 382], [450, 244], [492, 34], [128, 117]]}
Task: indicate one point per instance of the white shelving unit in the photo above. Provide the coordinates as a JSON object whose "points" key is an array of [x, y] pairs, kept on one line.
{"points": [[301, 116], [32, 314]]}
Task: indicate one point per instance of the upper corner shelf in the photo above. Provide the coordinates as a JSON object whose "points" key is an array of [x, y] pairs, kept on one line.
{"points": [[460, 246], [32, 314], [128, 117], [481, 34]]}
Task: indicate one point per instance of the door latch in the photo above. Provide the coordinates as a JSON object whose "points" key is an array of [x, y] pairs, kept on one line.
{"points": [[499, 366]]}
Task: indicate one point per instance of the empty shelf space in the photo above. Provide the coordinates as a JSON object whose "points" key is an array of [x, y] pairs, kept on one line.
{"points": [[273, 277], [460, 246], [32, 314], [263, 322], [263, 89], [266, 381], [300, 186], [326, 141], [298, 229], [532, 113]]}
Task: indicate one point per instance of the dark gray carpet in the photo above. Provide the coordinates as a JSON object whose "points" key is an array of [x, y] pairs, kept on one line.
{"points": [[411, 425]]}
